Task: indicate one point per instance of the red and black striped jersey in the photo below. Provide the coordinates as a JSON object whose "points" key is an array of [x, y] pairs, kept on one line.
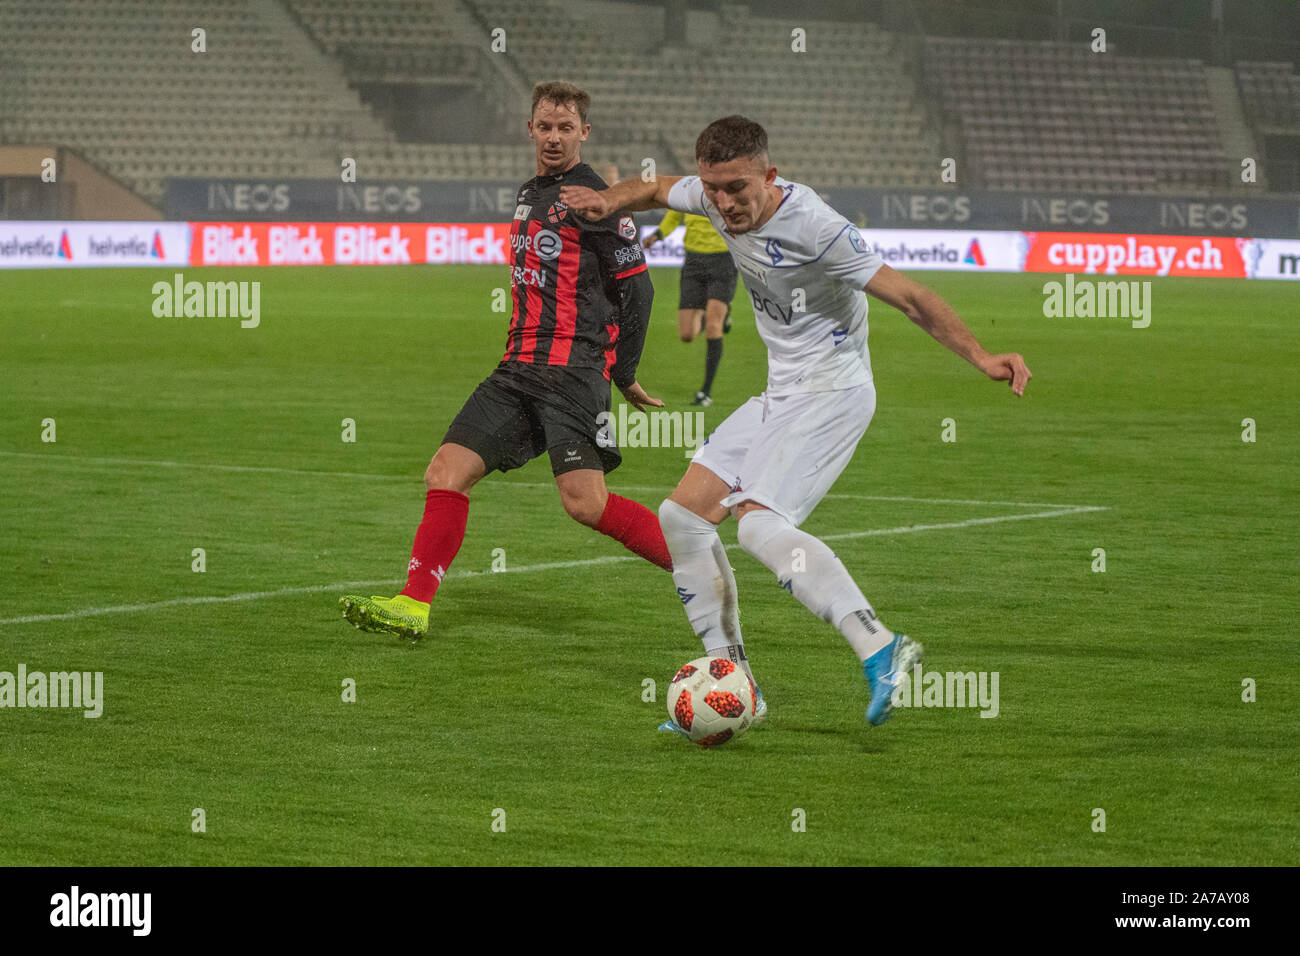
{"points": [[568, 282]]}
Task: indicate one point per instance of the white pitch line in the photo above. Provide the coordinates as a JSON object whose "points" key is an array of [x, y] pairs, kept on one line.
{"points": [[968, 523], [77, 459], [955, 501], [496, 482], [177, 602], [547, 566]]}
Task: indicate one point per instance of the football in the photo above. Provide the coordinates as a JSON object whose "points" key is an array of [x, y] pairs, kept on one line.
{"points": [[712, 700]]}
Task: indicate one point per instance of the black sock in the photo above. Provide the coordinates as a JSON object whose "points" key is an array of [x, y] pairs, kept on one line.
{"points": [[712, 356]]}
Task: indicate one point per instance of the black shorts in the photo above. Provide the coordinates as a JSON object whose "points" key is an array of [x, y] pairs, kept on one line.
{"points": [[705, 276], [521, 411]]}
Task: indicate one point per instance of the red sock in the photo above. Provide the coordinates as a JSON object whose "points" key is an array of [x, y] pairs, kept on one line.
{"points": [[437, 540], [636, 528]]}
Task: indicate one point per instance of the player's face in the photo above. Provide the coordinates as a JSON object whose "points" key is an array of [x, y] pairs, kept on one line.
{"points": [[557, 131], [741, 190]]}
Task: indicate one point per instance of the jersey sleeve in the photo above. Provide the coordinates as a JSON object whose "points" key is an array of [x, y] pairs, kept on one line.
{"points": [[669, 223], [622, 262], [845, 254], [687, 195], [614, 240]]}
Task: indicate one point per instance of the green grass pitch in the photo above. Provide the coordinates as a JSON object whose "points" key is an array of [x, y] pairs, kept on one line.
{"points": [[1120, 691]]}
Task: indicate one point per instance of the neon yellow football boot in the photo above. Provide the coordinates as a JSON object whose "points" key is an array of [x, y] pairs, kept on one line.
{"points": [[402, 615]]}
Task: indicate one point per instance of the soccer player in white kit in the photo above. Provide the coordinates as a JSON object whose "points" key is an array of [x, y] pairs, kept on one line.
{"points": [[772, 460]]}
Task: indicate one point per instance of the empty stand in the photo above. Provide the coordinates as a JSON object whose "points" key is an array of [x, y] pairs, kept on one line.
{"points": [[276, 94], [1057, 116], [1270, 93]]}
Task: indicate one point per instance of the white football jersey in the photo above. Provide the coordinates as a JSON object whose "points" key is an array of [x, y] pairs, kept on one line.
{"points": [[804, 271]]}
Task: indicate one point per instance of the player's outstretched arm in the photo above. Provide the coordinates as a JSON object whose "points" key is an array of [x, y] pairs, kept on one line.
{"points": [[636, 295], [631, 194], [927, 309]]}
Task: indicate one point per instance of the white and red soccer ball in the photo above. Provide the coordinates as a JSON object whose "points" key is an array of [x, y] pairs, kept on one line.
{"points": [[712, 700]]}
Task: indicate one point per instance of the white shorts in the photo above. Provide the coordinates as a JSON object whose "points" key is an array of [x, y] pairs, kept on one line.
{"points": [[785, 452]]}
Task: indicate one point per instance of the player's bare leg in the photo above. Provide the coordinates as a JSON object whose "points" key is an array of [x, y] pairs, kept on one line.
{"points": [[584, 495], [807, 568], [454, 468], [715, 314], [452, 472], [588, 501], [702, 573], [689, 323]]}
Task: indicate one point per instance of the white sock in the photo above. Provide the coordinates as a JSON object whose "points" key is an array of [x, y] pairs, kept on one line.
{"points": [[810, 571], [864, 632], [704, 580]]}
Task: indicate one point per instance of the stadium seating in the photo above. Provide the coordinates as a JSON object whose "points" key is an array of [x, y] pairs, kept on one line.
{"points": [[1270, 93], [651, 103], [1057, 116], [276, 94], [137, 101], [844, 112]]}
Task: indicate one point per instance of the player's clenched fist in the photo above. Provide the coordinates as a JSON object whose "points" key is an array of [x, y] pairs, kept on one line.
{"points": [[590, 203]]}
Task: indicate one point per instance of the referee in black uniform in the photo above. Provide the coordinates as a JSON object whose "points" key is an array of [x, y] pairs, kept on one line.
{"points": [[708, 284]]}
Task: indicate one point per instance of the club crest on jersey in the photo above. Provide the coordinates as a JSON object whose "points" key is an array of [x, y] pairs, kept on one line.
{"points": [[557, 211], [856, 240], [627, 228], [773, 249], [522, 211]]}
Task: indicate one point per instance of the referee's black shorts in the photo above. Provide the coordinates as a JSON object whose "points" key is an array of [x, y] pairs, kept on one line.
{"points": [[521, 411], [705, 276]]}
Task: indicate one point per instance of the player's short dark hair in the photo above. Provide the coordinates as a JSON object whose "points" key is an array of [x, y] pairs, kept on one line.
{"points": [[563, 94], [729, 137]]}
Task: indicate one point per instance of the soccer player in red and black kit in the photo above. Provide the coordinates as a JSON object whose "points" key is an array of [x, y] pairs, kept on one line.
{"points": [[582, 300]]}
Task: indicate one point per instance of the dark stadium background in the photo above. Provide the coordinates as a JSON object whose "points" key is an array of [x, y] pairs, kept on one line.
{"points": [[970, 140], [435, 92]]}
